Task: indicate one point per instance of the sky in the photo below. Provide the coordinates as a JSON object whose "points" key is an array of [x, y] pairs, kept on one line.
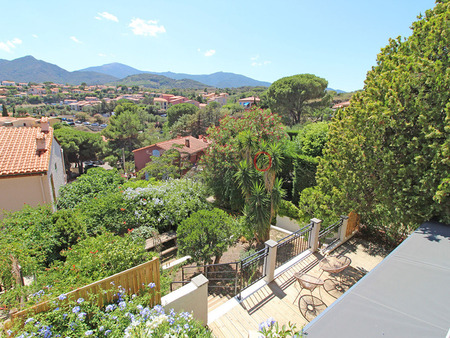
{"points": [[264, 40]]}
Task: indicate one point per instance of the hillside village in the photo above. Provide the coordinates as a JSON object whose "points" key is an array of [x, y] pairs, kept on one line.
{"points": [[281, 211]]}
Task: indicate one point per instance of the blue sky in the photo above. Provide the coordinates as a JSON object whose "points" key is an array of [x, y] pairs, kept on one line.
{"points": [[265, 40]]}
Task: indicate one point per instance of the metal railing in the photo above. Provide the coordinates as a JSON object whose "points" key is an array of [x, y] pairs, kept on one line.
{"points": [[223, 277], [331, 232], [293, 245], [253, 269]]}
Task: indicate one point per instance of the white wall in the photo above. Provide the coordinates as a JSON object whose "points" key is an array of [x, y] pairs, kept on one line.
{"points": [[192, 297], [56, 169], [287, 223]]}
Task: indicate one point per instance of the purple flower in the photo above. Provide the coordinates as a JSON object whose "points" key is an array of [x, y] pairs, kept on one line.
{"points": [[80, 300], [76, 309], [88, 333], [62, 297]]}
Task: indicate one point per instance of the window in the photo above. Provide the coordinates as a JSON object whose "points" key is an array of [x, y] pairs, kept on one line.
{"points": [[156, 153]]}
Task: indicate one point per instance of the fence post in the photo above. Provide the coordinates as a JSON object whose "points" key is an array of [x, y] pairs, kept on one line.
{"points": [[343, 229], [314, 234], [271, 260]]}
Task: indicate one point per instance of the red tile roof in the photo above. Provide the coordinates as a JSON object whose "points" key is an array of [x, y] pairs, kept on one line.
{"points": [[195, 145], [18, 151]]}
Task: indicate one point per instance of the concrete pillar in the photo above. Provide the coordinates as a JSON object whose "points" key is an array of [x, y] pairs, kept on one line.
{"points": [[314, 235], [343, 228], [271, 260], [192, 297]]}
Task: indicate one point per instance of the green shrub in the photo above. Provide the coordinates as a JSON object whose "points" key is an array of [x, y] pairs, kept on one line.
{"points": [[96, 181], [206, 234], [288, 209], [305, 168]]}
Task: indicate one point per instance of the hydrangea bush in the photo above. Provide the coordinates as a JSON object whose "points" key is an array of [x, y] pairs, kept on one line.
{"points": [[127, 316]]}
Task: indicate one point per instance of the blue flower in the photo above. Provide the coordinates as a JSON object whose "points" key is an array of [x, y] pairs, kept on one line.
{"points": [[151, 285], [101, 328], [107, 332], [110, 307], [81, 315], [80, 300], [76, 309], [88, 333], [122, 305], [62, 297], [29, 320]]}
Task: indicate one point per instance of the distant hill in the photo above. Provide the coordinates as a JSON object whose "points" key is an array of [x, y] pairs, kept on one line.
{"points": [[338, 91], [29, 69], [218, 80], [115, 69], [159, 82]]}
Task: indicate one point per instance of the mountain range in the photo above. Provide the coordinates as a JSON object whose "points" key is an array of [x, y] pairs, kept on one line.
{"points": [[29, 69], [218, 80]]}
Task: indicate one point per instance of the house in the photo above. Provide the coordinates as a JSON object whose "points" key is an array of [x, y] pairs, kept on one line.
{"points": [[31, 166], [10, 121], [193, 147], [161, 102], [8, 83], [341, 105], [248, 102]]}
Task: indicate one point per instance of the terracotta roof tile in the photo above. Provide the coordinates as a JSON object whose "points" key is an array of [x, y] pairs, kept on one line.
{"points": [[195, 145], [18, 151]]}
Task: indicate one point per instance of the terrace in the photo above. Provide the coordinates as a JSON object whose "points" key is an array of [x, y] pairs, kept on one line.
{"points": [[280, 298]]}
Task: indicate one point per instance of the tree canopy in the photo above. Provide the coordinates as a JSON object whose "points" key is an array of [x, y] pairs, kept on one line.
{"points": [[79, 145], [230, 170], [388, 155], [178, 110], [206, 234], [294, 96]]}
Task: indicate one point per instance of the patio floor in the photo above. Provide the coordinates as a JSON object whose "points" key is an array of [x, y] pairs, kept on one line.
{"points": [[278, 298]]}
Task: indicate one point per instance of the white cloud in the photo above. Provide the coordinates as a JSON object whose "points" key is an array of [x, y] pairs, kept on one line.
{"points": [[75, 39], [210, 52], [9, 45], [34, 36], [256, 63], [142, 27], [107, 16], [101, 54]]}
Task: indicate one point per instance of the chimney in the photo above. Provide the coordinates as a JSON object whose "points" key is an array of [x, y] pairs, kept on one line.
{"points": [[44, 124], [186, 142], [40, 142]]}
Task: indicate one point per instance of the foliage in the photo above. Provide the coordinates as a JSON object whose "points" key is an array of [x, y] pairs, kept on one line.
{"points": [[78, 145], [165, 205], [295, 96], [305, 168], [311, 139], [206, 233], [197, 124], [128, 316], [25, 237], [230, 171], [289, 209], [95, 182], [178, 110], [271, 329], [388, 153]]}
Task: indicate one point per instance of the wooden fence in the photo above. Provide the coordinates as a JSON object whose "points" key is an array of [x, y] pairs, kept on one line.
{"points": [[352, 223], [132, 280]]}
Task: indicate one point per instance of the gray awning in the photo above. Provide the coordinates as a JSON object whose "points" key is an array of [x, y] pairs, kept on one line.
{"points": [[406, 295]]}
